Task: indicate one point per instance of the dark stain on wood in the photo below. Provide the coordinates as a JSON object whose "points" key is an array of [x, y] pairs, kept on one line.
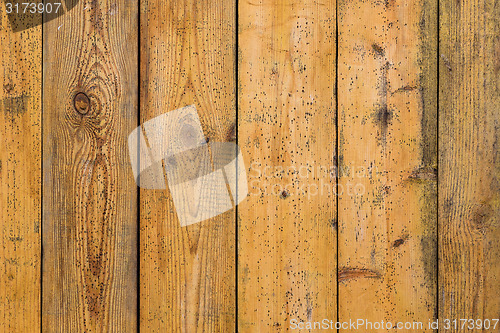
{"points": [[480, 216], [404, 89], [424, 174], [349, 273], [15, 106], [309, 307], [334, 224], [428, 246], [383, 115], [231, 133], [378, 49]]}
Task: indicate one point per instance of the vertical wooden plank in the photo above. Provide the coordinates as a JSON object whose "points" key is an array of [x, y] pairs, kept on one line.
{"points": [[89, 194], [187, 274], [469, 162], [287, 225], [20, 181], [387, 153]]}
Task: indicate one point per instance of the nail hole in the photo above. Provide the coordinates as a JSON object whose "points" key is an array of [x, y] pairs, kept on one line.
{"points": [[398, 242]]}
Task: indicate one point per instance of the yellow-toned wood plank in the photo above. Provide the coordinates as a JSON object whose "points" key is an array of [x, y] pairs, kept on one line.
{"points": [[469, 162], [187, 274], [89, 194], [287, 226], [388, 159], [20, 177]]}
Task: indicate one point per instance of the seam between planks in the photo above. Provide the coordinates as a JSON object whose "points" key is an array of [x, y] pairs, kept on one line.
{"points": [[138, 197], [41, 171], [337, 150], [236, 215], [438, 52]]}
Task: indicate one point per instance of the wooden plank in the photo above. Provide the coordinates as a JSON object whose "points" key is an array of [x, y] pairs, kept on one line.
{"points": [[89, 194], [187, 274], [287, 226], [469, 162], [20, 177], [387, 154]]}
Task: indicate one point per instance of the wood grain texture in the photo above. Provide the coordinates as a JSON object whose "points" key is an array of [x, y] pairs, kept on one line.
{"points": [[287, 227], [20, 177], [89, 206], [387, 161], [187, 274], [469, 161]]}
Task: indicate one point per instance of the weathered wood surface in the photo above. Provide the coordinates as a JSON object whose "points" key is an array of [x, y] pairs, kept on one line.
{"points": [[20, 177], [387, 161], [418, 165], [89, 195], [187, 274], [287, 227], [469, 161]]}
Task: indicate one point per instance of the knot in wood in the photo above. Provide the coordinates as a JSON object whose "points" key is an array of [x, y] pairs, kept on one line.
{"points": [[81, 103]]}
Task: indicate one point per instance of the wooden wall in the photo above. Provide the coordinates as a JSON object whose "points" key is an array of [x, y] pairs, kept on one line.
{"points": [[370, 134]]}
